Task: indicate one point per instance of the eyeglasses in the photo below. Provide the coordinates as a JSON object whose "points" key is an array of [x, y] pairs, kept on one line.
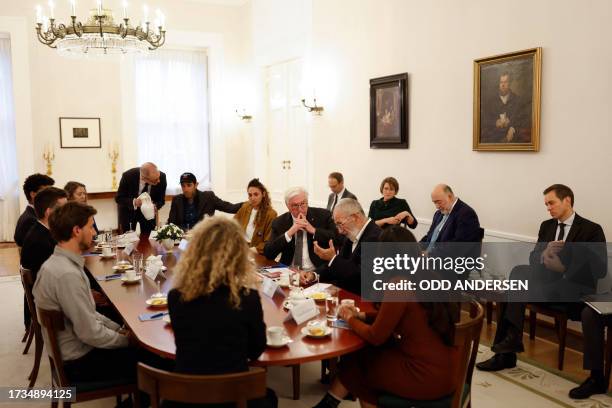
{"points": [[303, 204], [342, 224]]}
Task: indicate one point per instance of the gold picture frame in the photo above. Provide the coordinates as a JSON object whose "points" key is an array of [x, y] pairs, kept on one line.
{"points": [[507, 92]]}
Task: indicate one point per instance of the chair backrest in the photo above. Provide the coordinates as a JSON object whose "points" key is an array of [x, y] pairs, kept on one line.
{"points": [[467, 339], [53, 322], [201, 389], [27, 282]]}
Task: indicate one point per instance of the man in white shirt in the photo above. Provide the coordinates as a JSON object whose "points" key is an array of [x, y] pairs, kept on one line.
{"points": [[335, 181], [294, 232]]}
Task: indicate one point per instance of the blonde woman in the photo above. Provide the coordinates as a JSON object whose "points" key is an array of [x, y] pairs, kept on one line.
{"points": [[256, 216], [216, 314]]}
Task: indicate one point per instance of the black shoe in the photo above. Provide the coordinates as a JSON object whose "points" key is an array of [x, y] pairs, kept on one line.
{"points": [[589, 387], [510, 344], [498, 362]]}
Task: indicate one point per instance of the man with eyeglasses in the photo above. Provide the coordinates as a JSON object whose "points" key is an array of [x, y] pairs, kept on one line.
{"points": [[344, 269], [294, 232]]}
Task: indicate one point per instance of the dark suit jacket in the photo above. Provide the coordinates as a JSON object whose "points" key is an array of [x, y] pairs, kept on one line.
{"points": [[129, 190], [584, 264], [38, 246], [214, 338], [206, 203], [319, 218], [24, 223], [462, 225], [346, 194], [345, 270]]}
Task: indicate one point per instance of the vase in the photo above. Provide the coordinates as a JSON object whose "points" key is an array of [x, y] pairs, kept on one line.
{"points": [[168, 243]]}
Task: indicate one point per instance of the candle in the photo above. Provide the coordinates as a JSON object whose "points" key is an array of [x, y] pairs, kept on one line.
{"points": [[162, 20], [51, 7], [45, 23], [38, 14], [73, 7], [125, 5], [146, 13], [99, 2]]}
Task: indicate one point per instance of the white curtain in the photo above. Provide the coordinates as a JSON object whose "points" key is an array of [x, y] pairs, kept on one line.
{"points": [[172, 114], [9, 188]]}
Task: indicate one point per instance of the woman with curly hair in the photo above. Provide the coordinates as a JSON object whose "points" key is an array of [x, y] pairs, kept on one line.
{"points": [[256, 216], [214, 307]]}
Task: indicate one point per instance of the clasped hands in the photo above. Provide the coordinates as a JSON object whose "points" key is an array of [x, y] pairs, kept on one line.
{"points": [[399, 218], [550, 256], [301, 224]]}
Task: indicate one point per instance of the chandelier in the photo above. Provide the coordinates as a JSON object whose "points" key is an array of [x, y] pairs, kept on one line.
{"points": [[100, 35]]}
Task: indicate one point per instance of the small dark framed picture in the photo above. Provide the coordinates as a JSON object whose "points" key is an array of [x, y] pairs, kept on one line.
{"points": [[80, 133], [389, 112]]}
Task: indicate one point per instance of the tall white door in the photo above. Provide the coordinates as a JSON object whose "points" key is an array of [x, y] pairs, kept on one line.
{"points": [[288, 131]]}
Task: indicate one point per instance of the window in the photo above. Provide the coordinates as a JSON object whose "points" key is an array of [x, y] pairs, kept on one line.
{"points": [[171, 109], [9, 186]]}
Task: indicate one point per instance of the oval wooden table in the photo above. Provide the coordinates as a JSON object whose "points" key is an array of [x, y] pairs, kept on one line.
{"points": [[158, 337]]}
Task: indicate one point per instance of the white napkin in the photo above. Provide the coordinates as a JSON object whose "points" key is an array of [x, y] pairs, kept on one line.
{"points": [[147, 208]]}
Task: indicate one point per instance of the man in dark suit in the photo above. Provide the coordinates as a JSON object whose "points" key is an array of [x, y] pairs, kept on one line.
{"points": [[454, 221], [294, 232], [554, 263], [32, 185], [38, 244], [146, 178], [189, 208], [344, 269], [335, 181]]}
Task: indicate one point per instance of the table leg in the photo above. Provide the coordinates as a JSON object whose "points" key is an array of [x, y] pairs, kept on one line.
{"points": [[296, 381]]}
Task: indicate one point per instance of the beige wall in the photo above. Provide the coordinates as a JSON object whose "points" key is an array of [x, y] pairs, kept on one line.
{"points": [[436, 43], [94, 88]]}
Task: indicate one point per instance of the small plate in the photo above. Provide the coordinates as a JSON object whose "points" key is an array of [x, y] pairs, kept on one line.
{"points": [[122, 268], [318, 296], [157, 302], [305, 332], [286, 340], [166, 319], [127, 281], [106, 256]]}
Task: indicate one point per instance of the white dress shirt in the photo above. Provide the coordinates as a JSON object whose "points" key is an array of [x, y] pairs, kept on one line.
{"points": [[306, 262]]}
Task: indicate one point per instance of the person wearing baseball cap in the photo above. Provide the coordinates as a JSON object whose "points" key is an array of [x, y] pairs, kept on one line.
{"points": [[188, 208]]}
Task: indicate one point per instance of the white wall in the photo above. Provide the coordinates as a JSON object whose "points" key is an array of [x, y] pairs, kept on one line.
{"points": [[436, 43], [54, 87]]}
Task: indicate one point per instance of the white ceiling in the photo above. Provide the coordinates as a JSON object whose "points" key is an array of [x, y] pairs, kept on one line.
{"points": [[220, 2]]}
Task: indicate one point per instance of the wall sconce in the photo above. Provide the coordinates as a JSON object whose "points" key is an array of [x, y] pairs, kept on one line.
{"points": [[244, 116], [314, 108]]}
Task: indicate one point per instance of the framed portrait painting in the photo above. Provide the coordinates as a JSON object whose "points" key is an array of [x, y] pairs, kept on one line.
{"points": [[80, 133], [507, 101], [389, 112]]}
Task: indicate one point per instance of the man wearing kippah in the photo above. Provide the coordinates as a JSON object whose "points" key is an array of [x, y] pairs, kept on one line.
{"points": [[189, 208]]}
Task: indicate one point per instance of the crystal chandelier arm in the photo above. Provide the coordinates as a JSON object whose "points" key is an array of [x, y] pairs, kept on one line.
{"points": [[77, 28], [156, 40], [45, 37]]}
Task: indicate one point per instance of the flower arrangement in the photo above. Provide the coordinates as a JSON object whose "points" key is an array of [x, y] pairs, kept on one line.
{"points": [[169, 231]]}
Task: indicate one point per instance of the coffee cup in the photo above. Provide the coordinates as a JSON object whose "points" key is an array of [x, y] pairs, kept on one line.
{"points": [[347, 303], [130, 274], [275, 334], [284, 279], [107, 251]]}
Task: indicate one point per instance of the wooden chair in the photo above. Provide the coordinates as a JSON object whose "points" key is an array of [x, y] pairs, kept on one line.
{"points": [[202, 389], [53, 322], [467, 339], [34, 331], [560, 316]]}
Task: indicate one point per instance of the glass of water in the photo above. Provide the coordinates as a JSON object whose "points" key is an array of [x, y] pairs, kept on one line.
{"points": [[331, 305]]}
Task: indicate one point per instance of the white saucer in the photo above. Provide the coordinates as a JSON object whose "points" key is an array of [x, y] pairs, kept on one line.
{"points": [[126, 280], [107, 256], [286, 340], [117, 268], [305, 332], [150, 302], [166, 319]]}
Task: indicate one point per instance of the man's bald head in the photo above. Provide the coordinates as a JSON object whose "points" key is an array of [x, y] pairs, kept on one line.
{"points": [[443, 198], [149, 173]]}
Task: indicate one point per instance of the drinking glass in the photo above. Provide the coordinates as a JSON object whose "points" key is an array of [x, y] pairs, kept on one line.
{"points": [[294, 278], [331, 308], [137, 261], [159, 293]]}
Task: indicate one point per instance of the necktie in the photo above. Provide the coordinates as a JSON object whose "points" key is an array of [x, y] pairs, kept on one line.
{"points": [[145, 189], [335, 202], [561, 231], [434, 236], [299, 246]]}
